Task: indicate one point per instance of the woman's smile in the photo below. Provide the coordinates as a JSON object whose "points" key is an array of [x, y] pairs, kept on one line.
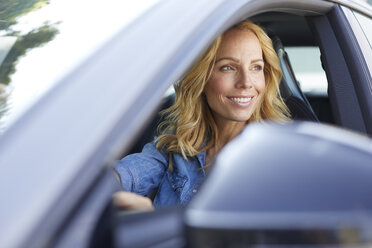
{"points": [[241, 101]]}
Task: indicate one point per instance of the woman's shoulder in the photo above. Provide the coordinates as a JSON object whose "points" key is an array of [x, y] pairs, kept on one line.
{"points": [[148, 159], [149, 150]]}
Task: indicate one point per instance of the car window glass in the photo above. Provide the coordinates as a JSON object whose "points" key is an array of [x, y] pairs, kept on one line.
{"points": [[306, 64], [43, 40], [366, 24]]}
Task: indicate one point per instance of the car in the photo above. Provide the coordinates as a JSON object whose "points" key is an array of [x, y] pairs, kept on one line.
{"points": [[100, 102]]}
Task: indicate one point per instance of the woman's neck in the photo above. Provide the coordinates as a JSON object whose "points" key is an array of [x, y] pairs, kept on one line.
{"points": [[227, 130]]}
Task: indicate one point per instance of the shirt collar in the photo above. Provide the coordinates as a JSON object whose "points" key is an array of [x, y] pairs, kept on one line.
{"points": [[201, 158]]}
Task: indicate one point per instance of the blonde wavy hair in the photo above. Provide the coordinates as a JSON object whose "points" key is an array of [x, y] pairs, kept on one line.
{"points": [[189, 127]]}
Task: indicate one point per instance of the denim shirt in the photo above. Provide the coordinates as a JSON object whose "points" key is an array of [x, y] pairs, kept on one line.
{"points": [[143, 172]]}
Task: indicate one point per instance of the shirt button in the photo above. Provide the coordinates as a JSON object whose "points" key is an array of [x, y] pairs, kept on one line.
{"points": [[194, 190]]}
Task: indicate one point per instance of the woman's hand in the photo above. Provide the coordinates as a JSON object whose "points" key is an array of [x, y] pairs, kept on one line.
{"points": [[131, 201]]}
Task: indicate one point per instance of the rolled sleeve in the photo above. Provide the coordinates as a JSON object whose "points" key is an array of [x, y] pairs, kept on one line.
{"points": [[142, 172], [125, 175]]}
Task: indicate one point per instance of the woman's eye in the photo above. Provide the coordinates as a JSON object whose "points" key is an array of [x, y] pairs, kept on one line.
{"points": [[257, 68], [226, 68]]}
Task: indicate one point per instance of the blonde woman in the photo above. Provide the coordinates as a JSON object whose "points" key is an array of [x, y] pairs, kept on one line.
{"points": [[234, 83]]}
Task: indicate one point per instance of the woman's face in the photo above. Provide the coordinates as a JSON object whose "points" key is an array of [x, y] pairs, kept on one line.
{"points": [[236, 86]]}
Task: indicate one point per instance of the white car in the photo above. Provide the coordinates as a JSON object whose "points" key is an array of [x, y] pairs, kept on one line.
{"points": [[106, 83]]}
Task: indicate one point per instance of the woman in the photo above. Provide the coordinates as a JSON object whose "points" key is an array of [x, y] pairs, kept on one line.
{"points": [[234, 83]]}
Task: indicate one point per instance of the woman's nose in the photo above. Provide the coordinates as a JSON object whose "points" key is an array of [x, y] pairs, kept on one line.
{"points": [[245, 80]]}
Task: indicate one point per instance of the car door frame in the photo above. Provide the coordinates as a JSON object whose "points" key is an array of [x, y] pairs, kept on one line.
{"points": [[349, 78]]}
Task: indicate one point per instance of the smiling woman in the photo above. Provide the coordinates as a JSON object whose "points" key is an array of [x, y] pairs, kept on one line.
{"points": [[234, 83], [237, 83]]}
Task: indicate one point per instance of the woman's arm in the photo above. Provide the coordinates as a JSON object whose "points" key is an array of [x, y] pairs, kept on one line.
{"points": [[131, 201], [139, 174]]}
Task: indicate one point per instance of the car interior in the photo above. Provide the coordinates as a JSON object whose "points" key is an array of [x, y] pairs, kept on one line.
{"points": [[114, 228], [304, 107], [309, 107]]}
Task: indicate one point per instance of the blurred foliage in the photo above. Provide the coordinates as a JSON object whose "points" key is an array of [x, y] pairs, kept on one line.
{"points": [[10, 10], [24, 43]]}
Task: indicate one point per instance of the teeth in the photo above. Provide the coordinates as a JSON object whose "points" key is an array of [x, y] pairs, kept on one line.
{"points": [[241, 99]]}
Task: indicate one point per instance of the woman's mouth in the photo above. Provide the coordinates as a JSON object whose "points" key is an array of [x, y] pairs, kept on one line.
{"points": [[240, 99]]}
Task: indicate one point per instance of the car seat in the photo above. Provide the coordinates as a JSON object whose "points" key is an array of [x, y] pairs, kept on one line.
{"points": [[290, 91]]}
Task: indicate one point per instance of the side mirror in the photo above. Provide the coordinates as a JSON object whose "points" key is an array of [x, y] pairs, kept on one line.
{"points": [[301, 184]]}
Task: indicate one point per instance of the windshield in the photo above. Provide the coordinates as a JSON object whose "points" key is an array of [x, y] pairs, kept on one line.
{"points": [[42, 40]]}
